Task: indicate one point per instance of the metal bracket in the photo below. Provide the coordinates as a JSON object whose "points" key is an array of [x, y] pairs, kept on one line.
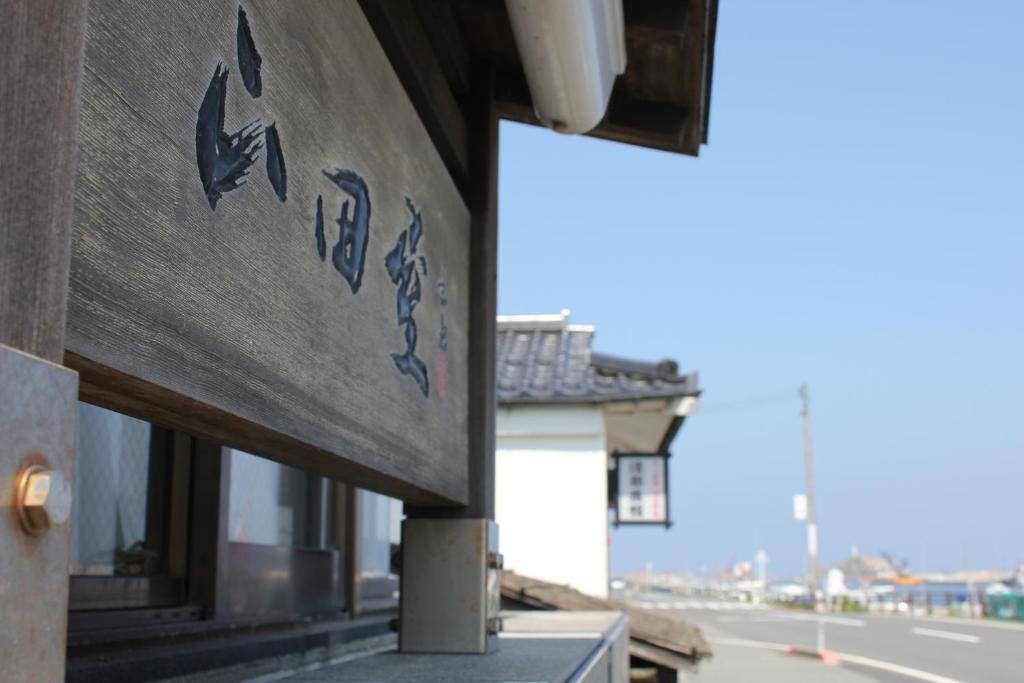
{"points": [[451, 586], [38, 405]]}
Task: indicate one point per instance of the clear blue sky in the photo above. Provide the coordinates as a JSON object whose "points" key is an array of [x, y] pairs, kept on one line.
{"points": [[857, 221]]}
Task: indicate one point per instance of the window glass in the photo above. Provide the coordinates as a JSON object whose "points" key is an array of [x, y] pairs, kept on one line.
{"points": [[109, 495], [380, 533], [272, 504]]}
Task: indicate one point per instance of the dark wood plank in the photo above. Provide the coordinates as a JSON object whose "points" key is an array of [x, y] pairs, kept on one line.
{"points": [[657, 125], [179, 498], [208, 537], [709, 65], [417, 64], [483, 302], [442, 29], [483, 312], [662, 99], [41, 53], [351, 551], [226, 323], [699, 46]]}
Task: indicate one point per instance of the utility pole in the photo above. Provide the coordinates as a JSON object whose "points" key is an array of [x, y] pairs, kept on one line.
{"points": [[812, 526]]}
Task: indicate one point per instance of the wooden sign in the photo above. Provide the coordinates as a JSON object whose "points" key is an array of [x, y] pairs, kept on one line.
{"points": [[268, 250]]}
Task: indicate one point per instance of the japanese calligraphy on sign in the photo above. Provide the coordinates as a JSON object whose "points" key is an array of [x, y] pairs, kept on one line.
{"points": [[642, 489], [285, 250], [224, 161]]}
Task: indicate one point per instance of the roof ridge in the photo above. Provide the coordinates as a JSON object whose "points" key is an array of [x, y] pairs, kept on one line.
{"points": [[665, 369]]}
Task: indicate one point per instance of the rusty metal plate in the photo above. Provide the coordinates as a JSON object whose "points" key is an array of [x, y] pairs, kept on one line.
{"points": [[37, 427]]}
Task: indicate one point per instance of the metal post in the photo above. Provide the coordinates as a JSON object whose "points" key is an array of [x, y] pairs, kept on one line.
{"points": [[812, 526], [37, 422]]}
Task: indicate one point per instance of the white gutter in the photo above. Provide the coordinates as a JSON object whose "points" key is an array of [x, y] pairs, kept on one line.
{"points": [[571, 51]]}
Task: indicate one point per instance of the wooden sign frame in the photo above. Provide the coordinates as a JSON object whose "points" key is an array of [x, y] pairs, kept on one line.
{"points": [[317, 310]]}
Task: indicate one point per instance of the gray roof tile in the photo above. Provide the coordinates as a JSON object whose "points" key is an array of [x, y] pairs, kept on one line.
{"points": [[550, 361]]}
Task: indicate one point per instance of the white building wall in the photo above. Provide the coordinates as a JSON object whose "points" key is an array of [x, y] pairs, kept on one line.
{"points": [[551, 494]]}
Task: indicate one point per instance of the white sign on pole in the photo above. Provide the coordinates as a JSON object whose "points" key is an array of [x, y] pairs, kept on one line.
{"points": [[642, 489], [800, 507], [812, 539]]}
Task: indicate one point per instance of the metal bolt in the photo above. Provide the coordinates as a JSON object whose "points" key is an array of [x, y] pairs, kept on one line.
{"points": [[44, 499]]}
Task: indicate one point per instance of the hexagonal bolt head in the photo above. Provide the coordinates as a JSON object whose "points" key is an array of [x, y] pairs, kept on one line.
{"points": [[45, 500]]}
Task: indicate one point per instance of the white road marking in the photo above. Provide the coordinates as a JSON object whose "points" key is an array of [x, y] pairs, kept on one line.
{"points": [[742, 642], [964, 621], [851, 659], [695, 604], [948, 635], [839, 621], [895, 668]]}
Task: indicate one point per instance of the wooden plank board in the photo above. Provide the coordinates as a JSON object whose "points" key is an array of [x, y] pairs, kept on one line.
{"points": [[645, 625], [41, 54], [233, 322], [405, 40]]}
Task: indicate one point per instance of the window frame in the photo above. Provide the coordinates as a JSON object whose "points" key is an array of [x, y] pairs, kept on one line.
{"points": [[97, 601], [187, 518]]}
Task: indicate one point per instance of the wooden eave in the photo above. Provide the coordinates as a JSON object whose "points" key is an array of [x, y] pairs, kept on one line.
{"points": [[438, 48], [661, 101]]}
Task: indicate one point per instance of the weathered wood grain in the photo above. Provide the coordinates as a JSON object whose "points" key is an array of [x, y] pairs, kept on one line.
{"points": [[226, 322], [418, 65], [483, 306], [41, 55], [658, 630]]}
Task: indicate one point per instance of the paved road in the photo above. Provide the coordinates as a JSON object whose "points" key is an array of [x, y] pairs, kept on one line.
{"points": [[880, 648]]}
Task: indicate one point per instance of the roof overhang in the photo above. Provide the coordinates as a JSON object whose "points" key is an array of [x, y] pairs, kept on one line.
{"points": [[662, 100], [647, 426]]}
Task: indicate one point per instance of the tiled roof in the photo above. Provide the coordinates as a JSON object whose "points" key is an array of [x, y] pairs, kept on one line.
{"points": [[544, 359]]}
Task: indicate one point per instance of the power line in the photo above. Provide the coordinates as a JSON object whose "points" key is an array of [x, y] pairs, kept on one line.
{"points": [[745, 403]]}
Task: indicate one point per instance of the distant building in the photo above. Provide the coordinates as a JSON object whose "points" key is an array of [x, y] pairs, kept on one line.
{"points": [[564, 412]]}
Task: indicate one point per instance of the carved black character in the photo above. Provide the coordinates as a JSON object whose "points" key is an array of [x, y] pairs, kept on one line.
{"points": [[275, 162], [249, 60], [321, 241], [403, 274], [349, 254], [408, 364], [223, 159]]}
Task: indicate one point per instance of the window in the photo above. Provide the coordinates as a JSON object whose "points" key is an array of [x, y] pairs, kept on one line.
{"points": [[111, 482], [271, 504], [167, 528], [285, 532], [379, 538], [128, 545]]}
